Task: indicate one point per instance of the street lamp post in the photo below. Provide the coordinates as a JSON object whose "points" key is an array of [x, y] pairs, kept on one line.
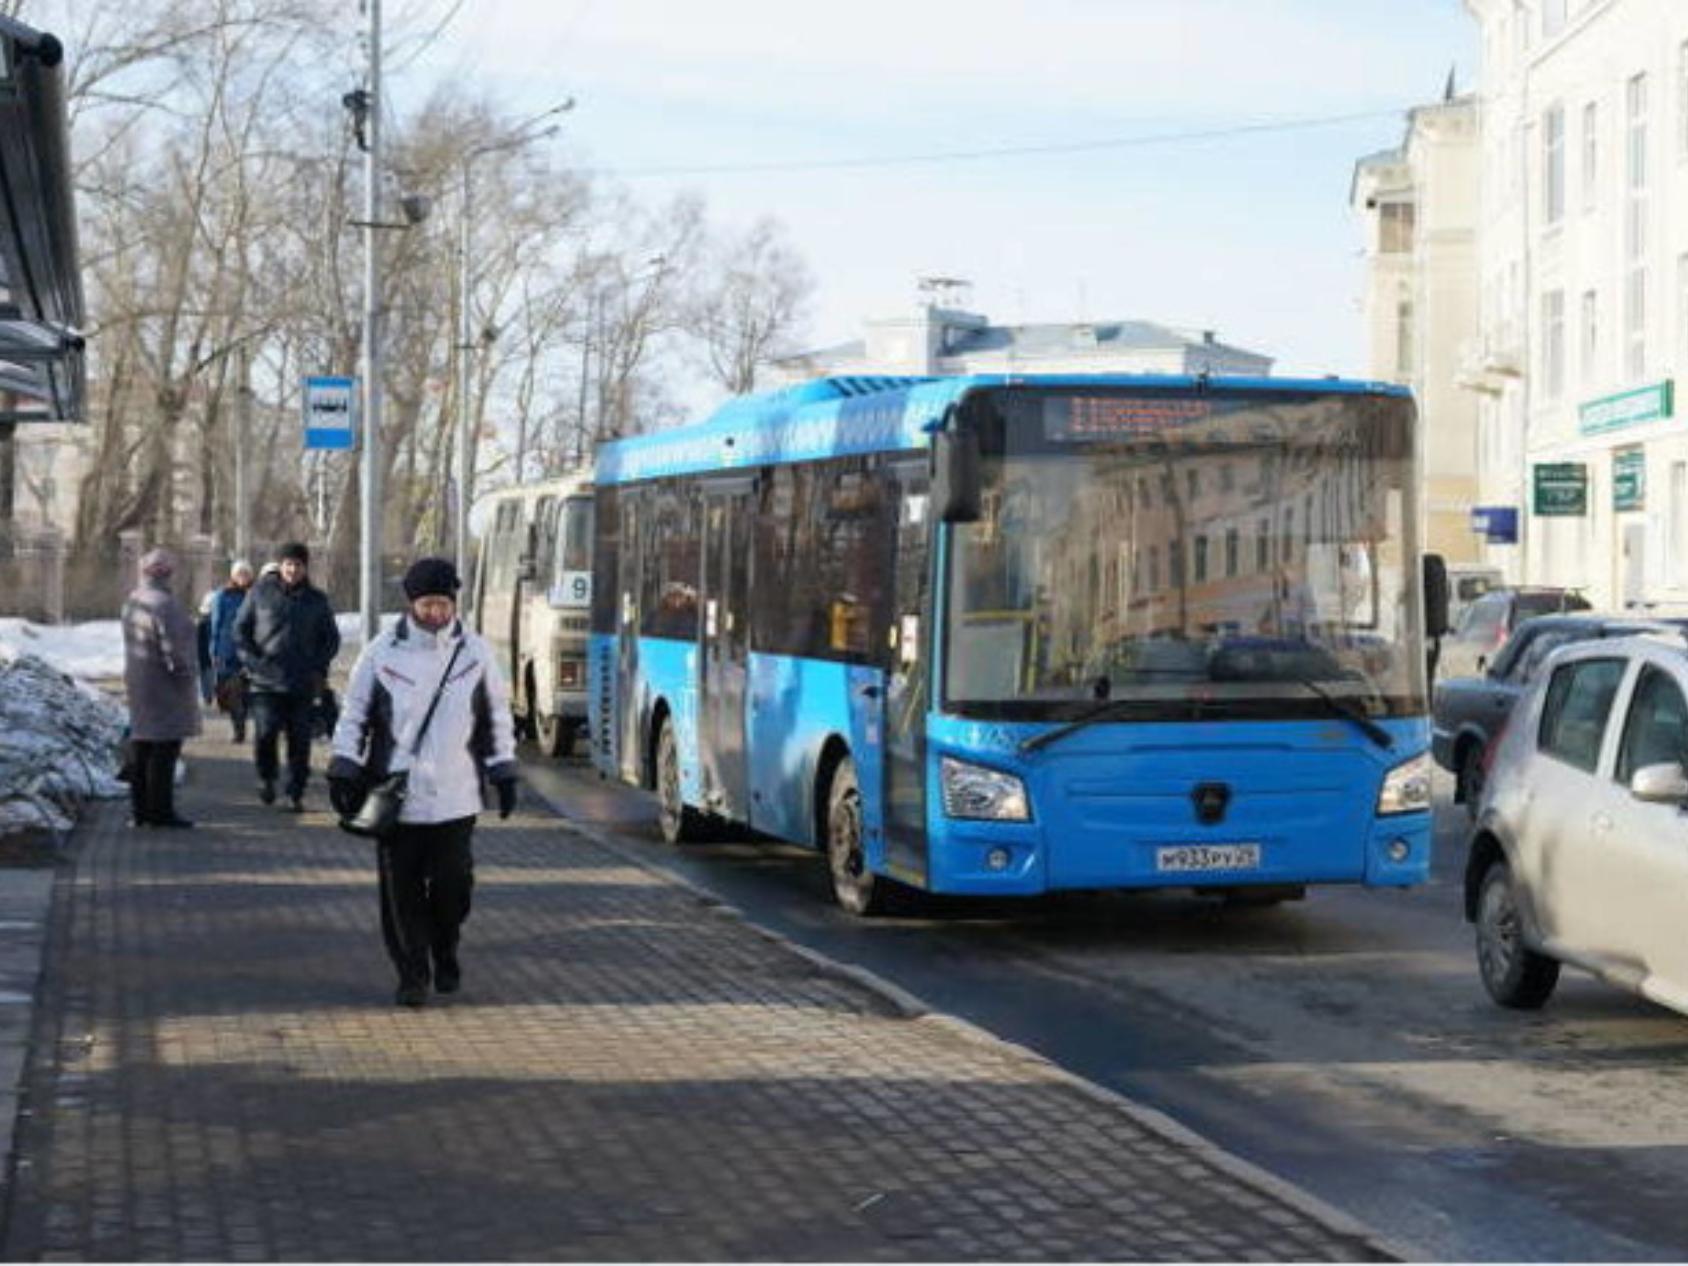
{"points": [[369, 463], [465, 344]]}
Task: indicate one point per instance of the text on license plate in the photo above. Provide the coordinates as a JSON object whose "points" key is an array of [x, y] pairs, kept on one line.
{"points": [[1208, 857]]}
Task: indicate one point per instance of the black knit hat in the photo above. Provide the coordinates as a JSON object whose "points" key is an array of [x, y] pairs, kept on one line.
{"points": [[296, 550], [429, 576]]}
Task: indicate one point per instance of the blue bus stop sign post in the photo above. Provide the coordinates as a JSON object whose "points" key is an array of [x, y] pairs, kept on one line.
{"points": [[330, 409]]}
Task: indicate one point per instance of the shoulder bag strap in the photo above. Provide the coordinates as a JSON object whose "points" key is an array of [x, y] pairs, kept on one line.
{"points": [[416, 746]]}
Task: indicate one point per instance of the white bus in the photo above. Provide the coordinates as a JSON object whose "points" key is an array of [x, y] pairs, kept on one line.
{"points": [[531, 600]]}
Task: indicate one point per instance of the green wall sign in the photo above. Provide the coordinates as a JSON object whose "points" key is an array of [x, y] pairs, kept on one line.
{"points": [[1628, 408], [1561, 490], [1629, 479]]}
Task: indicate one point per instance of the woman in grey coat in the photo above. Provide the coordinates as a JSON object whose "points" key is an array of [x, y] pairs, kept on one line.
{"points": [[161, 675]]}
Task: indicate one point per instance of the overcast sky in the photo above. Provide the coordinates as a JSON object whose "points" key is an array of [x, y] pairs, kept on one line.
{"points": [[1248, 234]]}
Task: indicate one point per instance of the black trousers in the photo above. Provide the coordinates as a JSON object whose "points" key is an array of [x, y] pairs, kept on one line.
{"points": [[427, 877], [152, 780], [273, 715]]}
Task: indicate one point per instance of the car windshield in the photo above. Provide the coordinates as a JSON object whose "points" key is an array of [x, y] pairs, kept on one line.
{"points": [[1546, 603], [1198, 555]]}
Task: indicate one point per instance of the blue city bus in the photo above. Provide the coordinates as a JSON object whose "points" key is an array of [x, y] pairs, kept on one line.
{"points": [[1007, 635]]}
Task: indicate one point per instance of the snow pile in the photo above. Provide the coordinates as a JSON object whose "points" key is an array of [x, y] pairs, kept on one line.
{"points": [[59, 743], [91, 651]]}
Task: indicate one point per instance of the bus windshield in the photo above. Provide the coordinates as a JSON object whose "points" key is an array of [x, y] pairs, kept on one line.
{"points": [[1187, 556]]}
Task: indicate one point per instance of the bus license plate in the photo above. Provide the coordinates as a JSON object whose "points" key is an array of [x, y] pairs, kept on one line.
{"points": [[1208, 857]]}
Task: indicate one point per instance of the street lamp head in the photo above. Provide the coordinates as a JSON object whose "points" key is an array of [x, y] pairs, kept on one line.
{"points": [[415, 207]]}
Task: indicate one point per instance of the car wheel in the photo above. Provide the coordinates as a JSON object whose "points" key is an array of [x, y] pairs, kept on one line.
{"points": [[681, 824], [1469, 779], [1514, 974], [856, 888]]}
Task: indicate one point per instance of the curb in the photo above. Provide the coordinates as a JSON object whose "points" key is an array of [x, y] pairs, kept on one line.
{"points": [[909, 1006]]}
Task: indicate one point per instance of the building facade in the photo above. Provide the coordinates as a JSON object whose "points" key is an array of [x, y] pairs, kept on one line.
{"points": [[938, 339], [1417, 205], [1583, 292]]}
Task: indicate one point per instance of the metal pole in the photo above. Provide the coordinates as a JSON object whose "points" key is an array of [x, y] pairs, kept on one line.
{"points": [[369, 568], [242, 437], [465, 462]]}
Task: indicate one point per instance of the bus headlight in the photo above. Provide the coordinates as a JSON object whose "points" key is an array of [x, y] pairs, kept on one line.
{"points": [[972, 791], [1406, 788]]}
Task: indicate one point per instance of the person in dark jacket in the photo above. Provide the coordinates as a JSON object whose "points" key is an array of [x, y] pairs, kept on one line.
{"points": [[160, 677], [392, 722], [287, 639], [228, 679]]}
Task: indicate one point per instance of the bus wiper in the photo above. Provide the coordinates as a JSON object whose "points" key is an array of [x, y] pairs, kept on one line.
{"points": [[1090, 717], [1348, 712]]}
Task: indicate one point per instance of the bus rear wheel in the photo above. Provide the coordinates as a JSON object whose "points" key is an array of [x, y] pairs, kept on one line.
{"points": [[856, 888], [554, 735], [681, 824]]}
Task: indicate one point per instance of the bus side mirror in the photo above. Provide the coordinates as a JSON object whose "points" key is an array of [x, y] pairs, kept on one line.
{"points": [[955, 476], [1435, 595]]}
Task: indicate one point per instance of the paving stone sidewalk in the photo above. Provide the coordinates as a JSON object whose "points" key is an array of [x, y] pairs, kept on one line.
{"points": [[219, 1074]]}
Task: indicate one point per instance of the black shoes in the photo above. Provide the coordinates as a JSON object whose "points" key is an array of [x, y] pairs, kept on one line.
{"points": [[296, 802], [448, 977], [240, 734], [411, 996], [173, 823], [266, 791]]}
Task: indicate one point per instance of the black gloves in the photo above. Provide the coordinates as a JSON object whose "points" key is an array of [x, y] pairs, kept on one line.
{"points": [[506, 789], [346, 795], [347, 786]]}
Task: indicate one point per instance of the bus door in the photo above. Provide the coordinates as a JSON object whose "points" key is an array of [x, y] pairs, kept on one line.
{"points": [[728, 510], [907, 676]]}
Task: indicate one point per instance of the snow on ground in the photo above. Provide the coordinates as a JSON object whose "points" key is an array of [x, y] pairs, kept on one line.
{"points": [[91, 651], [60, 736]]}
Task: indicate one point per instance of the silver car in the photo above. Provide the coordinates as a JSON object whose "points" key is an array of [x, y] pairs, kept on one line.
{"points": [[1580, 850]]}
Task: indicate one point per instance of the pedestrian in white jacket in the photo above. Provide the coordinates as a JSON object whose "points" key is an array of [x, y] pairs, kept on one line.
{"points": [[426, 864]]}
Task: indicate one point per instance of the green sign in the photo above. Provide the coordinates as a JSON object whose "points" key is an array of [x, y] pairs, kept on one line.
{"points": [[1628, 408], [1629, 479], [1561, 489]]}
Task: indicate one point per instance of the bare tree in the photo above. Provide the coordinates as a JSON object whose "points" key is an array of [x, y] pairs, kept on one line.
{"points": [[750, 303]]}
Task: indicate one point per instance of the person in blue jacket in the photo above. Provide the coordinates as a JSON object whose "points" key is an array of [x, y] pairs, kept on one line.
{"points": [[228, 682]]}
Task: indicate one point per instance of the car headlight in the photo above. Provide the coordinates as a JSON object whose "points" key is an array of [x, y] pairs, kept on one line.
{"points": [[1406, 788], [971, 791]]}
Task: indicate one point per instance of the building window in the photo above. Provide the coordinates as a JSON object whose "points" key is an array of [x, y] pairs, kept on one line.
{"points": [[1201, 559], [1590, 333], [1590, 156], [1193, 484], [1231, 551], [1635, 230], [1395, 228], [1674, 553], [1553, 344], [1263, 546], [1682, 100], [1404, 338], [1154, 569], [1635, 323], [1553, 164], [1552, 18]]}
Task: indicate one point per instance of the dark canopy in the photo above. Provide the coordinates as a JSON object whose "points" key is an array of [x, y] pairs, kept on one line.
{"points": [[42, 376]]}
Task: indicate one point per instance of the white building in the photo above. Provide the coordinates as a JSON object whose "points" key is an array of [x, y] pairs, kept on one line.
{"points": [[1583, 249], [936, 339], [1418, 206]]}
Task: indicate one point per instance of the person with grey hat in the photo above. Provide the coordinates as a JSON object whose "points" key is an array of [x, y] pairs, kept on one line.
{"points": [[287, 639], [161, 679], [426, 699]]}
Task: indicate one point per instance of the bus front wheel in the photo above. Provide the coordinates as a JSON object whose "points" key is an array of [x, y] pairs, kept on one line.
{"points": [[680, 823], [856, 888]]}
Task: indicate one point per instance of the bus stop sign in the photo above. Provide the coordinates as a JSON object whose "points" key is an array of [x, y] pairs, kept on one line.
{"points": [[330, 412]]}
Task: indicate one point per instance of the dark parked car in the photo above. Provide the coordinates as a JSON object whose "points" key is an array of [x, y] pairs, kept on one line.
{"points": [[1469, 711], [1489, 621]]}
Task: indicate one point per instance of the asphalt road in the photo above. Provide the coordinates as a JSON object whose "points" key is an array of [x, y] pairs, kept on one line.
{"points": [[1343, 1042]]}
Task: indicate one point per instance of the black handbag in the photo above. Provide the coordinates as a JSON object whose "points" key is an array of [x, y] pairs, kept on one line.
{"points": [[378, 816]]}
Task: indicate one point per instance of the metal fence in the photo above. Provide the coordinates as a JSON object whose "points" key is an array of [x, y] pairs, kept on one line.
{"points": [[44, 579]]}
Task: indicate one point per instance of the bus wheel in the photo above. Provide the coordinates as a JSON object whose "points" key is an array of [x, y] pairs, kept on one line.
{"points": [[555, 735], [857, 889], [680, 824]]}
